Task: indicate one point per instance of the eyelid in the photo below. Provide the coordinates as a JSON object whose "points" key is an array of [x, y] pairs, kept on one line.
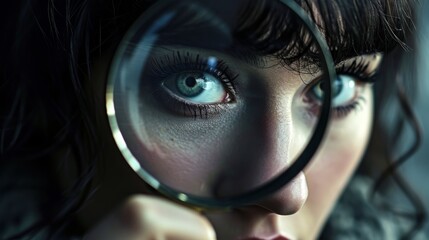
{"points": [[376, 56], [356, 67], [186, 61], [363, 67], [178, 59], [175, 62]]}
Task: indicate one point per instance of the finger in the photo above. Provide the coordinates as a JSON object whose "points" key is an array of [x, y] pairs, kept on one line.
{"points": [[148, 217]]}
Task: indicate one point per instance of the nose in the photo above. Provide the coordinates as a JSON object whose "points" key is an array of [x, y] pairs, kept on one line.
{"points": [[289, 199], [266, 150], [285, 138]]}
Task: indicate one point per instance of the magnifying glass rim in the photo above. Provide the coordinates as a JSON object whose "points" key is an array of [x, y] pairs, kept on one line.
{"points": [[259, 192]]}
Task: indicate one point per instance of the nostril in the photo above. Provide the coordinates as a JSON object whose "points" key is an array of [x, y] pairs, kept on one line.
{"points": [[242, 181], [286, 201], [289, 199]]}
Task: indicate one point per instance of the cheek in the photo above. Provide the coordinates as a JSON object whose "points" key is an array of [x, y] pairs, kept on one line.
{"points": [[189, 154], [201, 156], [184, 155], [333, 166]]}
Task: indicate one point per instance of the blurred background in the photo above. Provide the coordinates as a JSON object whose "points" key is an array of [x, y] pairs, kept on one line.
{"points": [[416, 169]]}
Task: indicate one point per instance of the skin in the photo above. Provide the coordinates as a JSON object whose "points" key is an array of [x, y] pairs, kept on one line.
{"points": [[278, 99], [297, 211]]}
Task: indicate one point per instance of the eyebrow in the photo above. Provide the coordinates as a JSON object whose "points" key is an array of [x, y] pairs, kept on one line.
{"points": [[257, 60]]}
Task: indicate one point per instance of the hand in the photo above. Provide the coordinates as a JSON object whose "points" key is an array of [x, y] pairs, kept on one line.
{"points": [[145, 217]]}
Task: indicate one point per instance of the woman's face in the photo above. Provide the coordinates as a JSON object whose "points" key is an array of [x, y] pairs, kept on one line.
{"points": [[299, 210], [216, 125], [188, 152]]}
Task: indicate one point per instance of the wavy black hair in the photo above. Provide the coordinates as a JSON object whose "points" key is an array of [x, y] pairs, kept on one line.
{"points": [[48, 49]]}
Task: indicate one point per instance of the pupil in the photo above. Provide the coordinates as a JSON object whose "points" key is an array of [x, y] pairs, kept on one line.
{"points": [[337, 87], [190, 82]]}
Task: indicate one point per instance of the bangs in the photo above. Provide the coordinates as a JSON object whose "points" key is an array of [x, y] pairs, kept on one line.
{"points": [[351, 28]]}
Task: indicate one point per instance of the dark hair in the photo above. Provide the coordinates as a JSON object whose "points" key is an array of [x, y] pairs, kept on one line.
{"points": [[50, 50]]}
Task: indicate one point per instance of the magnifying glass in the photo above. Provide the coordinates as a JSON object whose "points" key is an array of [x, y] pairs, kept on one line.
{"points": [[188, 108]]}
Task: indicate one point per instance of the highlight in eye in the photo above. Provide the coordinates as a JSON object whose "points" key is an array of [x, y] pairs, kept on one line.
{"points": [[352, 75], [197, 87], [344, 90], [192, 85]]}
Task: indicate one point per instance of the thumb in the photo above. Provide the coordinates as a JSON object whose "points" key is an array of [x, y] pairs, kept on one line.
{"points": [[145, 217]]}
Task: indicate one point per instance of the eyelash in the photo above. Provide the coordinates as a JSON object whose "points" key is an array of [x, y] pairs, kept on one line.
{"points": [[358, 69], [177, 62]]}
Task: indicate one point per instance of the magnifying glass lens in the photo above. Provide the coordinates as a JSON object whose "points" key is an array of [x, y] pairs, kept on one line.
{"points": [[215, 105]]}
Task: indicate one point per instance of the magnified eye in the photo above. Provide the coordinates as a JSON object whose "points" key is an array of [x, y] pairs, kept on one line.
{"points": [[193, 85], [196, 88], [343, 90]]}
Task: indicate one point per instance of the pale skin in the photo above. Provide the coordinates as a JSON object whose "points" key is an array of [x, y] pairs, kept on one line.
{"points": [[297, 211]]}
